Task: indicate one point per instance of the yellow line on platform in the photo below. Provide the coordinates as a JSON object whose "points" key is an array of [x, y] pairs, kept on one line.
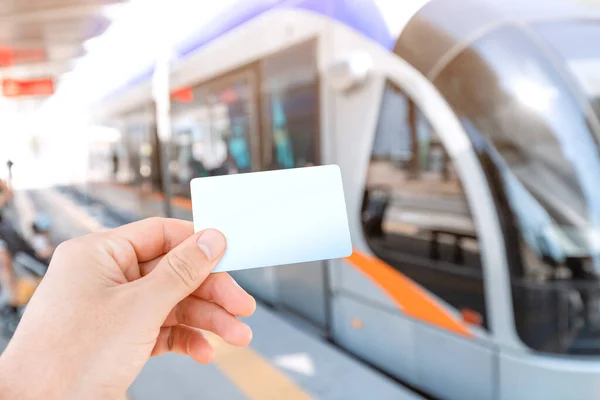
{"points": [[252, 374]]}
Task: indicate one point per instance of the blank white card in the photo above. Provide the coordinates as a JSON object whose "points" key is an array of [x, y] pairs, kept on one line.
{"points": [[275, 217]]}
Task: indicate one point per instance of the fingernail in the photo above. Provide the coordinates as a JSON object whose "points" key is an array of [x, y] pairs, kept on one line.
{"points": [[212, 243]]}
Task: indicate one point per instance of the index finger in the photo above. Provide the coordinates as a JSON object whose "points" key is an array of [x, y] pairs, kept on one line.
{"points": [[154, 237]]}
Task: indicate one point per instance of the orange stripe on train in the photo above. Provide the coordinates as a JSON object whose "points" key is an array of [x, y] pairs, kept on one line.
{"points": [[413, 300]]}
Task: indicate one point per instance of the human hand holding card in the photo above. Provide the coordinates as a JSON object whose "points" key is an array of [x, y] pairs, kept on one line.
{"points": [[275, 217]]}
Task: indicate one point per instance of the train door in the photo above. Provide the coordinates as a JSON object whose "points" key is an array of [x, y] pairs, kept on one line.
{"points": [[290, 139]]}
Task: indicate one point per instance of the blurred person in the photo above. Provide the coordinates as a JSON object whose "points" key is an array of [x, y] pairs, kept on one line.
{"points": [[9, 315], [213, 156], [40, 240], [197, 168], [7, 278], [9, 165], [17, 288], [33, 254], [111, 300], [6, 195], [115, 163]]}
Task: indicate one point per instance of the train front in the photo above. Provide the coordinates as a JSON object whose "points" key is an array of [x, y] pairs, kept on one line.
{"points": [[524, 80]]}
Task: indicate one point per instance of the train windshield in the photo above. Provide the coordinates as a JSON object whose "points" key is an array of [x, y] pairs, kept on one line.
{"points": [[571, 40], [537, 138]]}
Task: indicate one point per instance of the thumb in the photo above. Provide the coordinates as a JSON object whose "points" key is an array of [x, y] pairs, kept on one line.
{"points": [[183, 269]]}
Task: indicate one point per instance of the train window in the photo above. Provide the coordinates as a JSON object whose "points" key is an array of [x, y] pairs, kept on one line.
{"points": [[415, 214], [232, 118], [542, 161], [290, 107], [214, 130]]}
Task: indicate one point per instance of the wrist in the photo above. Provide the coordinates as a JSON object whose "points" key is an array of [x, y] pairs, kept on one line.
{"points": [[23, 377], [30, 375]]}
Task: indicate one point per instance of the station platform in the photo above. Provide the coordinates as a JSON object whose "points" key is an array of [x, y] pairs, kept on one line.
{"points": [[284, 361]]}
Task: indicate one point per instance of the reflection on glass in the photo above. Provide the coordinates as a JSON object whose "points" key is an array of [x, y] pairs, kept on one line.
{"points": [[290, 97], [236, 126], [575, 43], [415, 214], [284, 155], [542, 160], [213, 131]]}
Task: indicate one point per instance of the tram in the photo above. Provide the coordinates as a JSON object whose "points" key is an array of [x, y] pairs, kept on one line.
{"points": [[467, 133]]}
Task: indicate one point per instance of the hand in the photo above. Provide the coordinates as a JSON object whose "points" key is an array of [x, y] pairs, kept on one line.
{"points": [[111, 300]]}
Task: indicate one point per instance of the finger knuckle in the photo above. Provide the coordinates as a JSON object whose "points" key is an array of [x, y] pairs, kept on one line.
{"points": [[67, 247], [183, 268], [118, 248]]}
